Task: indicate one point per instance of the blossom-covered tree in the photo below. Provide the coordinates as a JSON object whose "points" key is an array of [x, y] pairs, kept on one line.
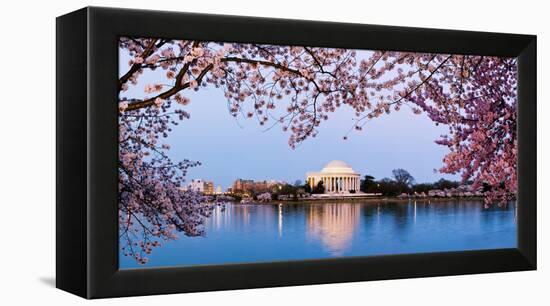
{"points": [[476, 98], [297, 88]]}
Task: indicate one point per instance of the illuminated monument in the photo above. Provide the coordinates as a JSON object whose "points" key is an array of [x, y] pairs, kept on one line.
{"points": [[337, 177]]}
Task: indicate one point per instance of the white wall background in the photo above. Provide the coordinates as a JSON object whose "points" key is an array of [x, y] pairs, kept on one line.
{"points": [[27, 151]]}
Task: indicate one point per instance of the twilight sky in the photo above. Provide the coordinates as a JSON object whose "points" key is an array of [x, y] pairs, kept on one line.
{"points": [[231, 148]]}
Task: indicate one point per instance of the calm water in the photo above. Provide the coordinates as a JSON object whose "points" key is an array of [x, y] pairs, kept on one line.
{"points": [[260, 233]]}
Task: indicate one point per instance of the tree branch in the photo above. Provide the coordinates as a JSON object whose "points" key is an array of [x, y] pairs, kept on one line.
{"points": [[180, 86], [135, 67]]}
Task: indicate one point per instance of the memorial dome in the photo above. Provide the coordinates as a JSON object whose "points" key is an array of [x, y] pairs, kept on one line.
{"points": [[337, 166]]}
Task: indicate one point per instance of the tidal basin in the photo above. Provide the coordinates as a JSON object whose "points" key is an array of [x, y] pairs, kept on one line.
{"points": [[241, 233]]}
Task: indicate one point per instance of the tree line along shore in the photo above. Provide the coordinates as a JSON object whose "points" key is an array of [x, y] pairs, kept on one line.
{"points": [[400, 187]]}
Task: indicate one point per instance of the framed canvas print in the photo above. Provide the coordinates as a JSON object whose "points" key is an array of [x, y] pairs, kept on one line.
{"points": [[200, 152]]}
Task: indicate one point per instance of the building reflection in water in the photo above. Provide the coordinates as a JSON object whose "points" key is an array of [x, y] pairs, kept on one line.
{"points": [[334, 225]]}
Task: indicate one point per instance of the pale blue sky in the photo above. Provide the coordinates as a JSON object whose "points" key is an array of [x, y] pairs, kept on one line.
{"points": [[231, 148]]}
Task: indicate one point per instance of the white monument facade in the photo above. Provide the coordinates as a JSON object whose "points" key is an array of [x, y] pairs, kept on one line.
{"points": [[337, 177]]}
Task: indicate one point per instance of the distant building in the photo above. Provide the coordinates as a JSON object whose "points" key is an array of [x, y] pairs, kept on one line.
{"points": [[208, 187], [195, 185], [219, 190], [201, 186], [337, 177], [251, 186], [240, 185]]}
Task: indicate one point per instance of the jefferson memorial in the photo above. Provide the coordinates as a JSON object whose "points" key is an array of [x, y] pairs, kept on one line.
{"points": [[337, 177]]}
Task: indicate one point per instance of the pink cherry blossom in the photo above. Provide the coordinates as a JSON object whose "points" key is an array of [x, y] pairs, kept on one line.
{"points": [[159, 102], [474, 97]]}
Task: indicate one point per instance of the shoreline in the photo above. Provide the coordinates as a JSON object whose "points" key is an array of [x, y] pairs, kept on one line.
{"points": [[362, 199]]}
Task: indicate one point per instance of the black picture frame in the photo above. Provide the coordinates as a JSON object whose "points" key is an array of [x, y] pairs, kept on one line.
{"points": [[87, 144]]}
